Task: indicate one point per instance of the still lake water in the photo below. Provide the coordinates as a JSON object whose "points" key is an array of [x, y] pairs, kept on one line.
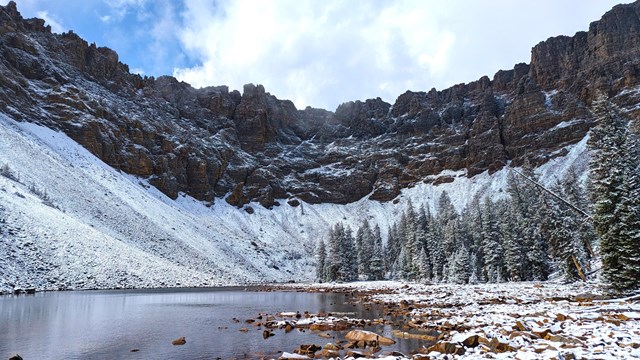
{"points": [[109, 324]]}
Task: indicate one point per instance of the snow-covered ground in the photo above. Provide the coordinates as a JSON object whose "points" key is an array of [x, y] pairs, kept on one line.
{"points": [[71, 221], [509, 321]]}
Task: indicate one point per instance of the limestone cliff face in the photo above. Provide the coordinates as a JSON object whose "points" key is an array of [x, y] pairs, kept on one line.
{"points": [[251, 146]]}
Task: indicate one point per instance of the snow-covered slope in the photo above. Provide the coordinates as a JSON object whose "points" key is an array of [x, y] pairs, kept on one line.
{"points": [[71, 221]]}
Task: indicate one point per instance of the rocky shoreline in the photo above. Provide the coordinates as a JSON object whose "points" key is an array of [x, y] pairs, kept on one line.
{"points": [[396, 320], [515, 320]]}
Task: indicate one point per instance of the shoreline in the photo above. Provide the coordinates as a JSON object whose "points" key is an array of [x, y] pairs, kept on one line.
{"points": [[527, 320]]}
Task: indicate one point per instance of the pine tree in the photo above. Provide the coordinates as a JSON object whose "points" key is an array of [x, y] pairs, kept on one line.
{"points": [[409, 231], [528, 235], [349, 266], [438, 261], [321, 255], [476, 235], [630, 215], [424, 265], [340, 264], [492, 243], [514, 254], [459, 270], [364, 245], [333, 259], [377, 266], [423, 242], [565, 238], [614, 188], [585, 234], [399, 267], [392, 247], [447, 219], [359, 239]]}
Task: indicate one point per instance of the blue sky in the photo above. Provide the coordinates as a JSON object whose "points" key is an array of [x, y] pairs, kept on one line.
{"points": [[320, 53], [138, 30]]}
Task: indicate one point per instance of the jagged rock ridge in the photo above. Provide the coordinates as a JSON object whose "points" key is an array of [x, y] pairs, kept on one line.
{"points": [[212, 142]]}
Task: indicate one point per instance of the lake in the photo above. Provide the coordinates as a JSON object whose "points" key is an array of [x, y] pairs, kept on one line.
{"points": [[109, 324]]}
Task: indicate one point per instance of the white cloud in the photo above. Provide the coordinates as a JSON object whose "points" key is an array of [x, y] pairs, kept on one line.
{"points": [[56, 26], [315, 53], [118, 9], [322, 53]]}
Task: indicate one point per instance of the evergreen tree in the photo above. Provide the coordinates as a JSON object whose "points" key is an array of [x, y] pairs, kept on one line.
{"points": [[475, 231], [448, 221], [585, 234], [528, 235], [333, 259], [392, 247], [349, 266], [340, 264], [459, 269], [491, 243], [565, 237], [399, 267], [438, 261], [630, 215], [613, 173], [377, 266], [514, 254], [424, 241], [321, 255], [409, 231], [364, 248], [424, 265]]}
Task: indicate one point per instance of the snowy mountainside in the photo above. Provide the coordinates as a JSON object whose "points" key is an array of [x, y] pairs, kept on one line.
{"points": [[104, 229], [72, 222]]}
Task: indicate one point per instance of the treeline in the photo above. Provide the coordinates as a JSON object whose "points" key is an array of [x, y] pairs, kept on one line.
{"points": [[526, 235]]}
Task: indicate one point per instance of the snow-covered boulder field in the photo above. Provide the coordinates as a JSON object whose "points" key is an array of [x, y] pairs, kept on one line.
{"points": [[526, 320]]}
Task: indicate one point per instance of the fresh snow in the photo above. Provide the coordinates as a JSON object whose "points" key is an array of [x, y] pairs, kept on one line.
{"points": [[513, 313], [101, 228]]}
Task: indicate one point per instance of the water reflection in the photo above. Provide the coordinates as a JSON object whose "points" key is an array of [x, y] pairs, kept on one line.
{"points": [[109, 324]]}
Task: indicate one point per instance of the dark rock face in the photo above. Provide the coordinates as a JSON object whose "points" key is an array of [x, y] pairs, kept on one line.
{"points": [[252, 146]]}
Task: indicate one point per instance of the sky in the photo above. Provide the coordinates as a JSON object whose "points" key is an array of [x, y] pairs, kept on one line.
{"points": [[320, 53]]}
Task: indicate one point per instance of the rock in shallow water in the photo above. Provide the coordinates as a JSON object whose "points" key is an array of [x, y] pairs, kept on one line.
{"points": [[179, 341]]}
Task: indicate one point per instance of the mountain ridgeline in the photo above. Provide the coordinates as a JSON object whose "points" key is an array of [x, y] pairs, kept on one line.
{"points": [[211, 142]]}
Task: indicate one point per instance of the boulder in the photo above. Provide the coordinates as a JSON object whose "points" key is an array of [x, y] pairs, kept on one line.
{"points": [[368, 337], [179, 341], [335, 347], [327, 354], [307, 349], [496, 345], [447, 348], [355, 354]]}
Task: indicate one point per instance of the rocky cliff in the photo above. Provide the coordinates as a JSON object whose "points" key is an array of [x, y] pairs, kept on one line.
{"points": [[250, 146]]}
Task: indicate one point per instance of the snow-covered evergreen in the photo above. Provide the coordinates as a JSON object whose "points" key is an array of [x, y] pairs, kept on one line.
{"points": [[615, 189], [523, 237], [321, 258]]}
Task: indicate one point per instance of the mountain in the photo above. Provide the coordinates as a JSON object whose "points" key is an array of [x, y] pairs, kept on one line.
{"points": [[145, 176]]}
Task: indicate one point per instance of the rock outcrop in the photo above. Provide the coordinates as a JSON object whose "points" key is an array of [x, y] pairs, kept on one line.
{"points": [[250, 146]]}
